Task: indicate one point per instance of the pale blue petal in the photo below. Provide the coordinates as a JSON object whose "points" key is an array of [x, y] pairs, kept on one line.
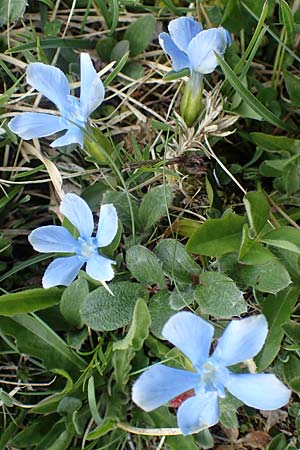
{"points": [[160, 384], [191, 334], [49, 81], [31, 125], [241, 340], [99, 268], [78, 213], [262, 391], [62, 271], [183, 30], [179, 59], [202, 48], [108, 225], [52, 238], [91, 87], [74, 135], [198, 413]]}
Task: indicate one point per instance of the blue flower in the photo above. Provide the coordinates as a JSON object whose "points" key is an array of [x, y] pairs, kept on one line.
{"points": [[52, 238], [241, 340], [191, 47], [51, 82]]}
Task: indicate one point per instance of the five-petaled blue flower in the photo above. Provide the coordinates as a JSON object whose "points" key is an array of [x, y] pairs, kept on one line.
{"points": [[52, 238], [51, 82], [241, 340], [191, 47]]}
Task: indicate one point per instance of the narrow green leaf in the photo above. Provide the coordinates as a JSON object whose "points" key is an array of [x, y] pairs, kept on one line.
{"points": [[291, 372], [286, 16], [285, 237], [29, 301], [252, 252], [277, 310], [35, 338], [139, 328], [257, 209], [249, 98], [71, 301], [55, 43]]}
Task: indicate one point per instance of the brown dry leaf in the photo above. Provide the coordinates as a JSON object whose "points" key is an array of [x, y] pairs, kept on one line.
{"points": [[256, 439], [274, 418], [52, 170]]}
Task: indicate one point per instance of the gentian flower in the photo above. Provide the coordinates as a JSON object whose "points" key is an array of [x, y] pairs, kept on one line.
{"points": [[241, 340], [53, 84], [52, 238], [191, 47]]}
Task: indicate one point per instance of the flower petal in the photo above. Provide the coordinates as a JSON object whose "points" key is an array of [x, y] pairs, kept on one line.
{"points": [[241, 340], [262, 391], [99, 268], [52, 238], [191, 334], [49, 81], [62, 271], [160, 384], [198, 412], [182, 31], [78, 213], [108, 225], [35, 125], [179, 59], [202, 48], [91, 87], [74, 135]]}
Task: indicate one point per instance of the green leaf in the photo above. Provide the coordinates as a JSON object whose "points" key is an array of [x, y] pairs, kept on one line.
{"points": [[144, 266], [155, 205], [277, 310], [252, 252], [270, 277], [219, 296], [292, 330], [160, 312], [286, 18], [139, 328], [35, 338], [105, 312], [140, 33], [71, 301], [176, 262], [29, 301], [257, 209], [104, 48], [249, 98], [285, 237], [291, 372], [278, 443], [120, 49], [292, 84], [216, 237], [11, 10], [277, 144]]}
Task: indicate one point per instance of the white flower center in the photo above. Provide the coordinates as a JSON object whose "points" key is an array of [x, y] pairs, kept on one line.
{"points": [[86, 248]]}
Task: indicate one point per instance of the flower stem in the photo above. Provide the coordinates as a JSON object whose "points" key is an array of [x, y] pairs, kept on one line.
{"points": [[149, 431]]}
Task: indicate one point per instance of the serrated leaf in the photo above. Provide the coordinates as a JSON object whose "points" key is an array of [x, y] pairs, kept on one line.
{"points": [[176, 262], [139, 328], [219, 296], [277, 310], [140, 33], [105, 312], [71, 301], [155, 205], [30, 300], [144, 266], [35, 338], [216, 237], [270, 277]]}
